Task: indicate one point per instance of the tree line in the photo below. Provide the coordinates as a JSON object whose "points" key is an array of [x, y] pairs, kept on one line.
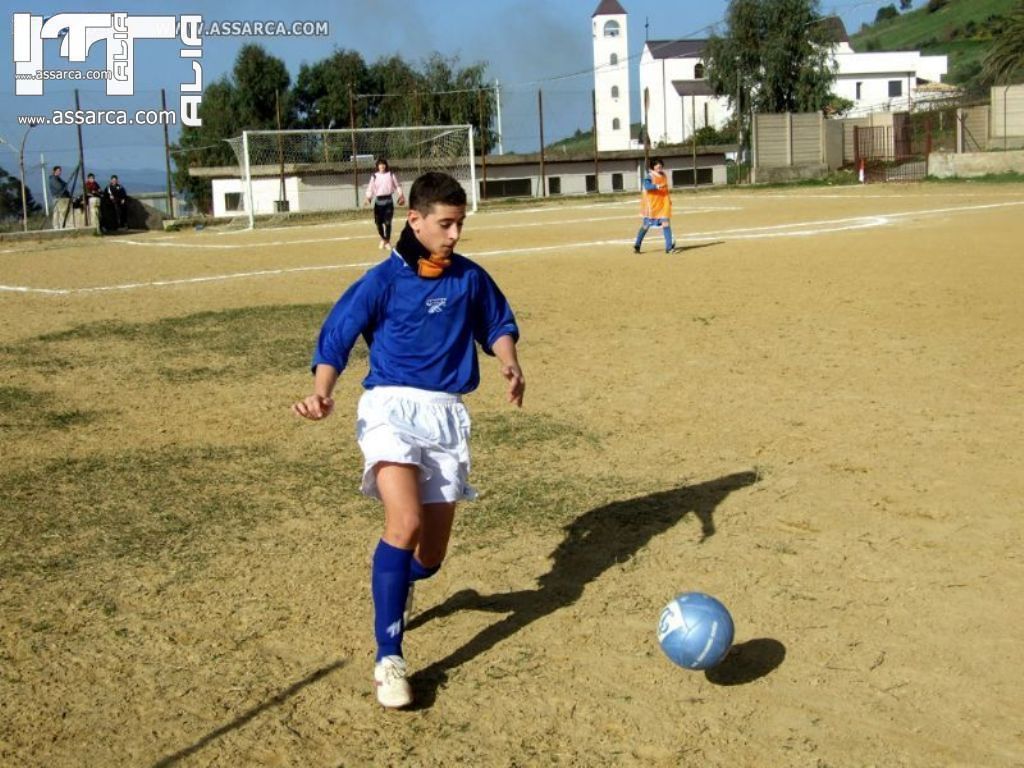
{"points": [[335, 92], [10, 198]]}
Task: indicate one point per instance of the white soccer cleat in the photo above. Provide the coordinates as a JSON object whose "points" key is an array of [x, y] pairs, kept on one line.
{"points": [[393, 690]]}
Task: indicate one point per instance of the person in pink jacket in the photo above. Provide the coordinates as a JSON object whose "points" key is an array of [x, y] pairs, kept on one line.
{"points": [[381, 190]]}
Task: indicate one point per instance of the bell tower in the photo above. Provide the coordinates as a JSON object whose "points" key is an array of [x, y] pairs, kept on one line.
{"points": [[611, 75]]}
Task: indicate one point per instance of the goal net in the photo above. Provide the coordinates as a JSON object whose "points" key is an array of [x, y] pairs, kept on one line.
{"points": [[319, 171]]}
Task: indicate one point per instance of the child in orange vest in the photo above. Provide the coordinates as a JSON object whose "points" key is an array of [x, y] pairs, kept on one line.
{"points": [[656, 206]]}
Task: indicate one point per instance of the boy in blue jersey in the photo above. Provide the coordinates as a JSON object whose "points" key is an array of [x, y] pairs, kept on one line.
{"points": [[422, 311]]}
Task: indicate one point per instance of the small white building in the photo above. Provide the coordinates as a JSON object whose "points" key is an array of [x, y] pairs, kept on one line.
{"points": [[321, 188]]}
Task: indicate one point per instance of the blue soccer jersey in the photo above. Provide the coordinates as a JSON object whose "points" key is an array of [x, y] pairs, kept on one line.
{"points": [[421, 332]]}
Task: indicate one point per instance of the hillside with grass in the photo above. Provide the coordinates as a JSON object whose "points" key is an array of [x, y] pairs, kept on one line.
{"points": [[582, 142], [963, 30]]}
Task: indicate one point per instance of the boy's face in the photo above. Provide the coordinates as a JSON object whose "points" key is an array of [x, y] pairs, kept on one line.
{"points": [[440, 229]]}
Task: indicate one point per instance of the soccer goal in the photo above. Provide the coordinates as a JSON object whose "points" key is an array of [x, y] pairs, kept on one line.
{"points": [[319, 171]]}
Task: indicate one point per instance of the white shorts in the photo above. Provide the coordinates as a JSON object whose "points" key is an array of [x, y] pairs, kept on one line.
{"points": [[406, 425]]}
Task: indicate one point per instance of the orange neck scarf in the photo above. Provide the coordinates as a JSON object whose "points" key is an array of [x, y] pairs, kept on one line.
{"points": [[433, 266], [427, 265]]}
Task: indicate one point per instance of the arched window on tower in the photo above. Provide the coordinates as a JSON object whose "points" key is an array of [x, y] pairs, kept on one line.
{"points": [[615, 91], [614, 59], [698, 71], [616, 124], [611, 29]]}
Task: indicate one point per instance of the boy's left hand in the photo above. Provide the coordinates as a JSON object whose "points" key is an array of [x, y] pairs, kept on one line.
{"points": [[516, 383]]}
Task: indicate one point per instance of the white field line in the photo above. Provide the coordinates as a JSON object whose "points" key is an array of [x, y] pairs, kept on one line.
{"points": [[811, 228], [154, 243], [163, 242], [181, 281], [487, 214]]}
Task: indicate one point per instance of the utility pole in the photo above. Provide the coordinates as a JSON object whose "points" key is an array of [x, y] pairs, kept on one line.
{"points": [[21, 163], [497, 104], [21, 168], [46, 192], [167, 157], [81, 166], [540, 114]]}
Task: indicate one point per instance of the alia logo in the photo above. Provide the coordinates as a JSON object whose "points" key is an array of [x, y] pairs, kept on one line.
{"points": [[78, 32], [435, 305]]}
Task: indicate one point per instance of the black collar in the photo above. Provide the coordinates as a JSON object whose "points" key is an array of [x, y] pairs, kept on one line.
{"points": [[410, 248]]}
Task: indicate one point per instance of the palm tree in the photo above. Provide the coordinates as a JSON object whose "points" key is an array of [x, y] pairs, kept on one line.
{"points": [[1006, 57]]}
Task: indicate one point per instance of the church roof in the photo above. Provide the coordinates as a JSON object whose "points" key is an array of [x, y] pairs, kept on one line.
{"points": [[609, 8], [692, 88], [676, 49]]}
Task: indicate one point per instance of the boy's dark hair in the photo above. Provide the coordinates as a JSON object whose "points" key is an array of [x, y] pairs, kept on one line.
{"points": [[655, 161], [90, 176], [433, 188], [57, 168]]}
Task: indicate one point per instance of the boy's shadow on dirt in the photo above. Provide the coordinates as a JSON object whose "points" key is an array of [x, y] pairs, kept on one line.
{"points": [[685, 248], [594, 542]]}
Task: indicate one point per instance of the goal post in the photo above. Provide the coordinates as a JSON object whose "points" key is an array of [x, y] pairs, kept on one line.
{"points": [[324, 170]]}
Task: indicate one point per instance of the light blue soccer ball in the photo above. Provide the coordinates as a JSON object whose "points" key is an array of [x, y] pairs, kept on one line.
{"points": [[695, 630]]}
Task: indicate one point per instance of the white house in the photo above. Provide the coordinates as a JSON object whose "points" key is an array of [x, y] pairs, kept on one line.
{"points": [[677, 100], [885, 82]]}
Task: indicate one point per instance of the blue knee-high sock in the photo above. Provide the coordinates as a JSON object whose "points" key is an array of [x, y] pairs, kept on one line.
{"points": [[640, 236], [668, 237], [418, 571], [390, 586]]}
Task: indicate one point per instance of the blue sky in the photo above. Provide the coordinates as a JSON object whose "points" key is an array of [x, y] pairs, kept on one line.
{"points": [[526, 44]]}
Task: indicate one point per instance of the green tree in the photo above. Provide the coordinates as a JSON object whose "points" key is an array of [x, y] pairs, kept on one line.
{"points": [[395, 94], [454, 95], [259, 79], [886, 12], [322, 90], [1004, 63], [10, 197], [390, 93], [244, 101], [776, 56]]}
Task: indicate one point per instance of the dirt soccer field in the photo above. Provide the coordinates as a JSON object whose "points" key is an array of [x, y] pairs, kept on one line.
{"points": [[814, 411]]}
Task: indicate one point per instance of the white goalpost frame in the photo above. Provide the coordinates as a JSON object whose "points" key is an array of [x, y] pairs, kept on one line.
{"points": [[472, 172], [432, 133], [250, 202]]}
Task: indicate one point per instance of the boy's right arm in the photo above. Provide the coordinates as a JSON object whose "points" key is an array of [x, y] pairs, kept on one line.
{"points": [[320, 404]]}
